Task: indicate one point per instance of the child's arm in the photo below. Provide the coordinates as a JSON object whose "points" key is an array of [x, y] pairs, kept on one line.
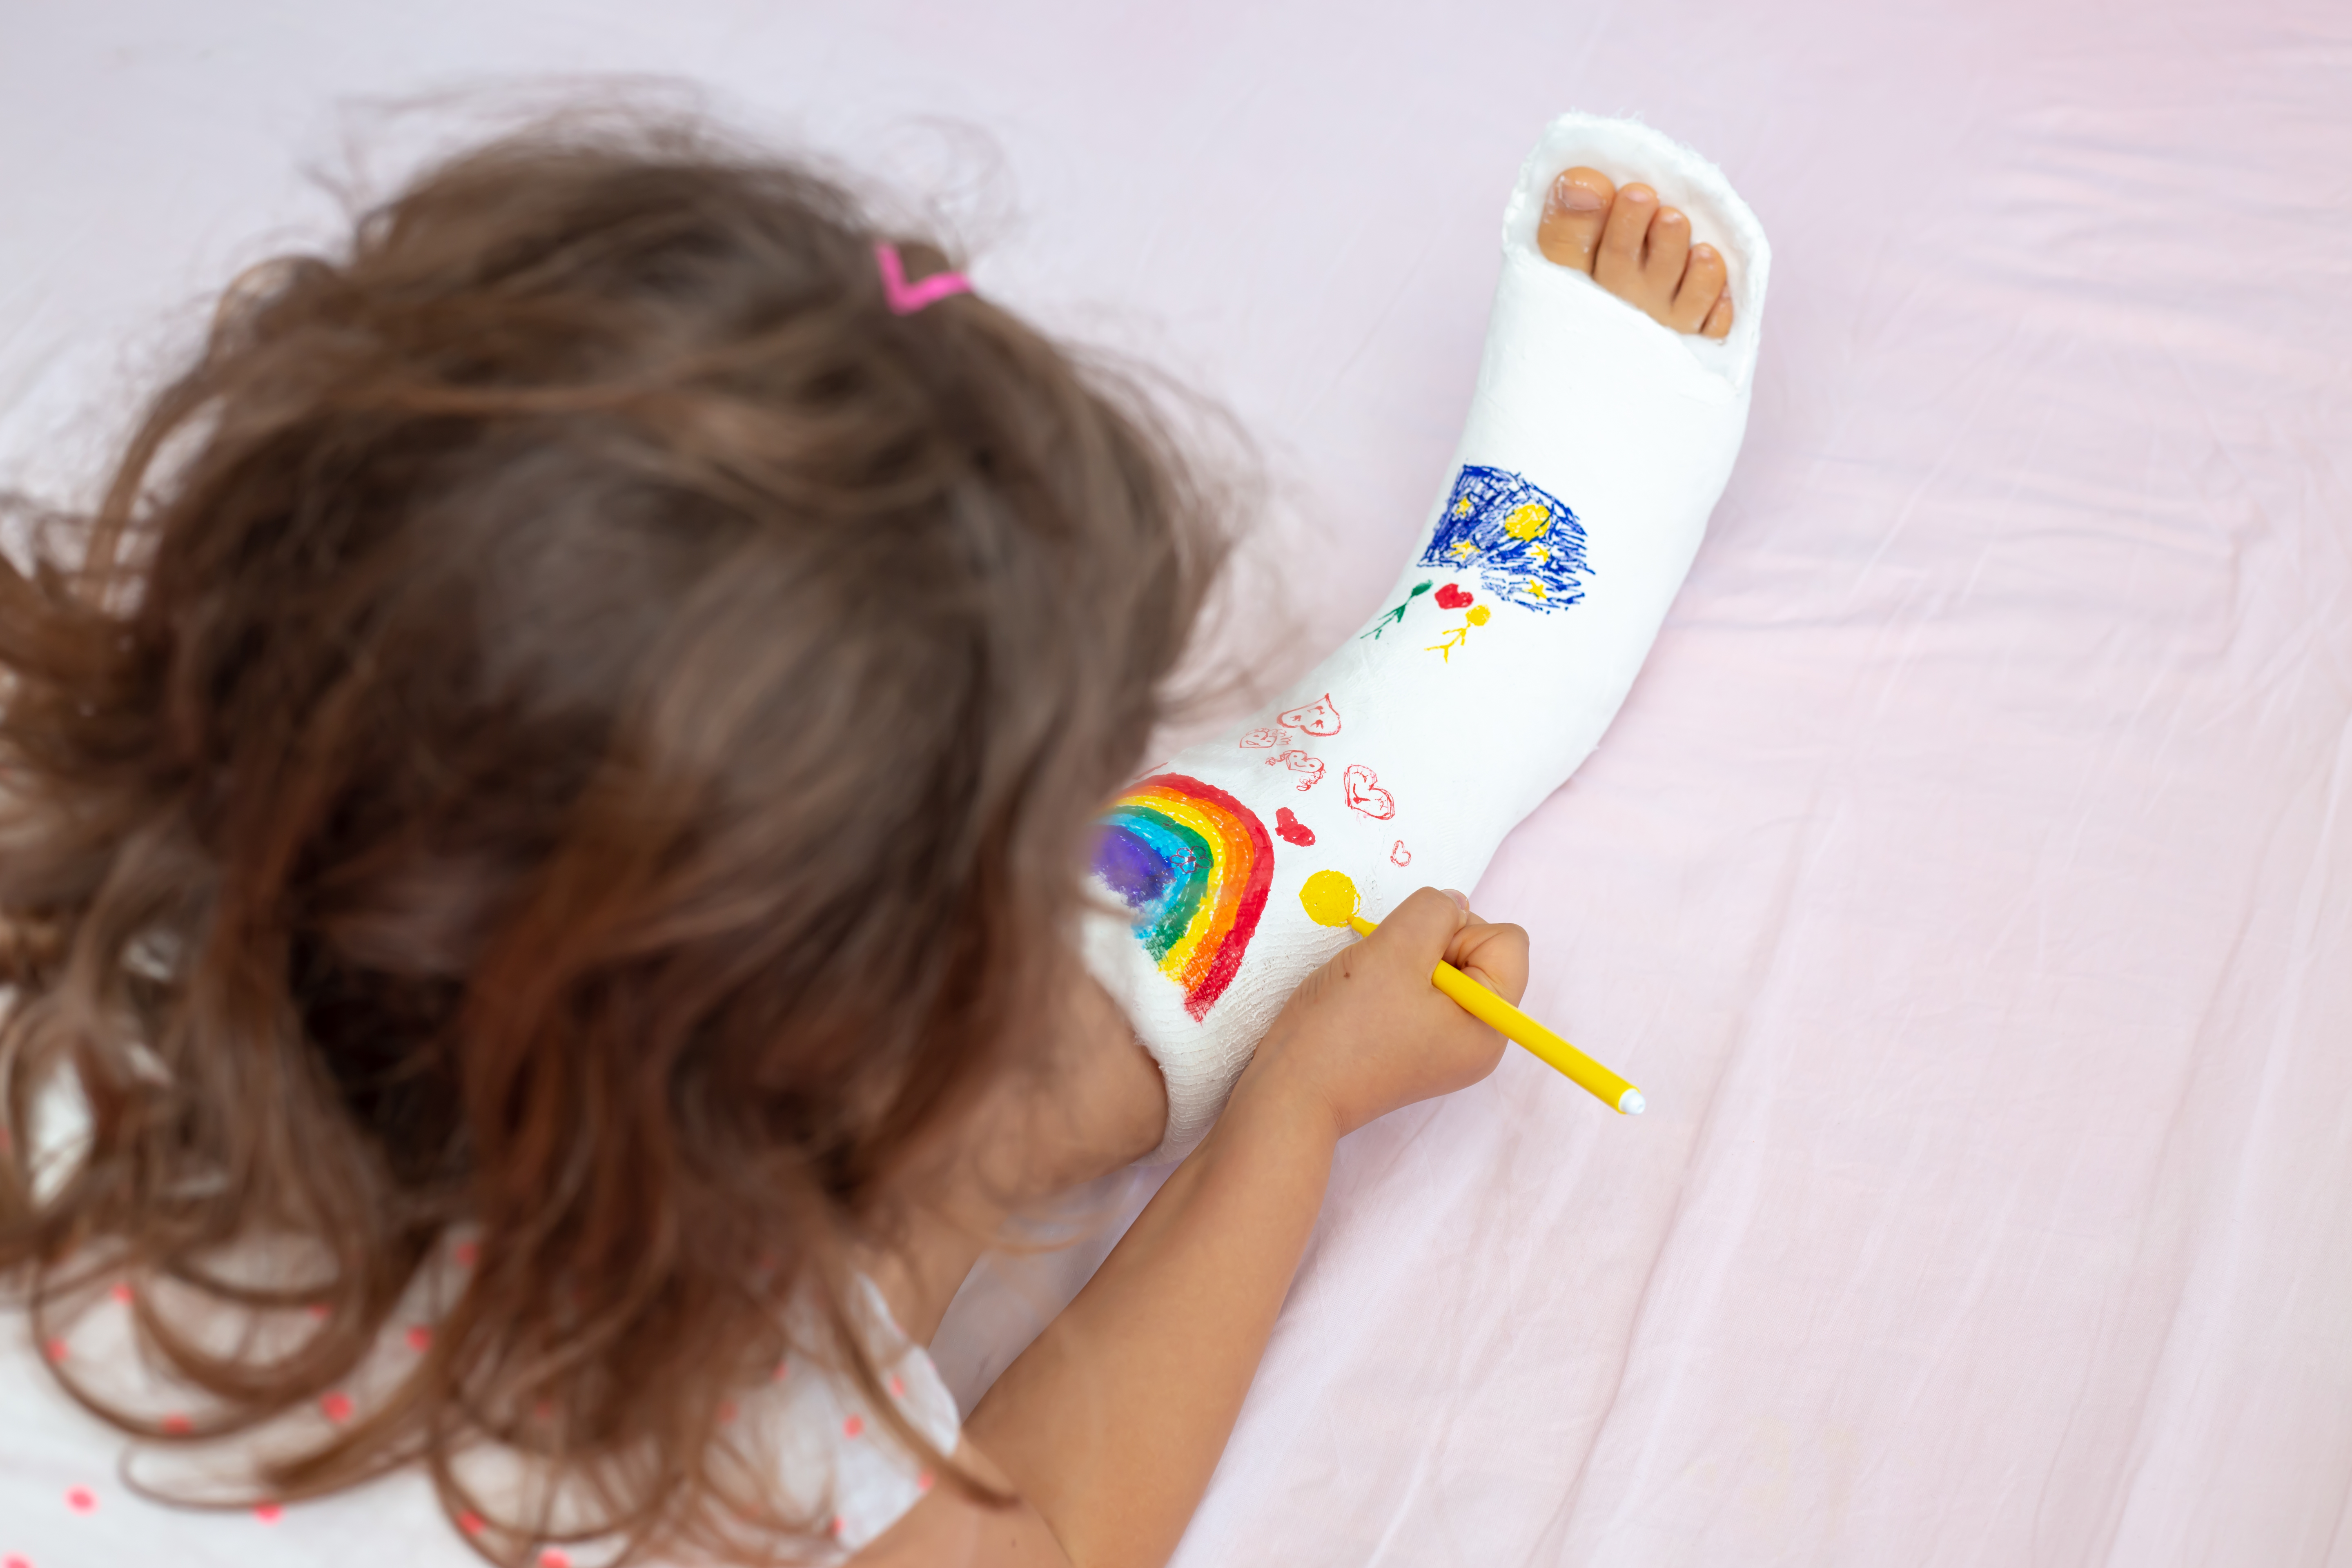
{"points": [[1110, 1425]]}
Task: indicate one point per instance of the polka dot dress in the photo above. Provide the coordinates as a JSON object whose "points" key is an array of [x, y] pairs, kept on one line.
{"points": [[65, 1500]]}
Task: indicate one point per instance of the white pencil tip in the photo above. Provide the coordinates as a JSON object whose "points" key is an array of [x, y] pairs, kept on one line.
{"points": [[1631, 1102]]}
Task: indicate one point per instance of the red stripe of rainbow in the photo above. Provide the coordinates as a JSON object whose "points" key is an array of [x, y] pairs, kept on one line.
{"points": [[1208, 952]]}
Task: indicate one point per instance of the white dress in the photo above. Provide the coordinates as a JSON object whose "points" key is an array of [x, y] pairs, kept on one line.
{"points": [[68, 1498]]}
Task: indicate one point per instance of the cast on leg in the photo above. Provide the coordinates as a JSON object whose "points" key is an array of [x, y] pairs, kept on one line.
{"points": [[1604, 424]]}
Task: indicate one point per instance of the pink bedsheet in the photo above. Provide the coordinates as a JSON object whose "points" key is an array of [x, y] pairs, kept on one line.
{"points": [[1969, 880]]}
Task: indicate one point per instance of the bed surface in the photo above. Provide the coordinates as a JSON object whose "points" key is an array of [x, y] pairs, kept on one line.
{"points": [[1969, 879]]}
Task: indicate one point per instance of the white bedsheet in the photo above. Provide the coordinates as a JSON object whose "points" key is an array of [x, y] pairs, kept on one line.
{"points": [[1969, 880]]}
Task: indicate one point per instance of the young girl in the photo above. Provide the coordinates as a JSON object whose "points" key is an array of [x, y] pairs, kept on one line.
{"points": [[546, 817]]}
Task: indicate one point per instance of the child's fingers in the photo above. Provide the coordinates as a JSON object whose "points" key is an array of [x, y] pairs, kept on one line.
{"points": [[1418, 931], [1495, 955], [1438, 923]]}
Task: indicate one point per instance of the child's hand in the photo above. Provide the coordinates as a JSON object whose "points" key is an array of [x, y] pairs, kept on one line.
{"points": [[1367, 1033]]}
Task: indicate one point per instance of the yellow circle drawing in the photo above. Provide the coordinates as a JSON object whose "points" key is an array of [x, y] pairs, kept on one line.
{"points": [[1529, 521], [1329, 897], [1479, 616]]}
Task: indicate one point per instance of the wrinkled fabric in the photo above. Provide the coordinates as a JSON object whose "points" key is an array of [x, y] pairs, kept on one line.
{"points": [[1966, 879]]}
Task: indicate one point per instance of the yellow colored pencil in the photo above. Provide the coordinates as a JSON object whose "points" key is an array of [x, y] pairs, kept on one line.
{"points": [[1330, 893]]}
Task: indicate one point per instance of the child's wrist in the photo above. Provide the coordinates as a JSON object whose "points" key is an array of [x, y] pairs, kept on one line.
{"points": [[1277, 1086]]}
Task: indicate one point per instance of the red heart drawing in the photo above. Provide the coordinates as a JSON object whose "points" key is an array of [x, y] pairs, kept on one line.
{"points": [[1317, 718], [1300, 762], [1365, 794], [1452, 597], [1289, 829], [1260, 739], [1401, 855]]}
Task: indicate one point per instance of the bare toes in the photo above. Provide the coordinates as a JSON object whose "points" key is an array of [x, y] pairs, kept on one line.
{"points": [[1718, 320], [1574, 211], [1617, 261], [1664, 261], [1643, 253], [1701, 286]]}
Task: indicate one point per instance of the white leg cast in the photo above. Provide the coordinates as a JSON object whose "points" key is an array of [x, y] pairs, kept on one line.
{"points": [[1597, 443]]}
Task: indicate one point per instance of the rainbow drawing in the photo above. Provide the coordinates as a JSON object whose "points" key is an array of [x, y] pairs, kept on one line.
{"points": [[1193, 865]]}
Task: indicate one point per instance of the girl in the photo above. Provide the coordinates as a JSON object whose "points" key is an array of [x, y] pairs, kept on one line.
{"points": [[542, 825]]}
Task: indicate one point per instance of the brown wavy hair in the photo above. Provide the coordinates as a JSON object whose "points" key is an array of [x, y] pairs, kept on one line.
{"points": [[571, 723]]}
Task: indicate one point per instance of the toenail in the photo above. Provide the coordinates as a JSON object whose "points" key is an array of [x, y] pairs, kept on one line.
{"points": [[1569, 196], [1702, 251], [1637, 194]]}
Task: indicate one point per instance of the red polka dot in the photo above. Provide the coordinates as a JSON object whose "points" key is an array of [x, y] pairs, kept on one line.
{"points": [[316, 1308], [782, 1368], [119, 1292], [269, 1513], [923, 1482], [54, 1350], [176, 1422], [420, 1339], [471, 1522], [467, 1252], [82, 1499], [726, 1411], [898, 1388], [840, 1525], [552, 1558], [853, 1426], [13, 1561], [338, 1406]]}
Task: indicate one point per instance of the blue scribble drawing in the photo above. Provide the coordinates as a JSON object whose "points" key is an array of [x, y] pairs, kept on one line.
{"points": [[1525, 545]]}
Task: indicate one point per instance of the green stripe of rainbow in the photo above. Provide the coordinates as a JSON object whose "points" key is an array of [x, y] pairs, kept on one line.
{"points": [[1194, 865]]}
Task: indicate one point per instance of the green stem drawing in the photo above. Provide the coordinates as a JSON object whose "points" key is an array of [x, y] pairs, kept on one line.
{"points": [[1396, 617]]}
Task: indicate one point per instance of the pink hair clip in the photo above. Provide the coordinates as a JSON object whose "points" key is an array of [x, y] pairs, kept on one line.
{"points": [[905, 297]]}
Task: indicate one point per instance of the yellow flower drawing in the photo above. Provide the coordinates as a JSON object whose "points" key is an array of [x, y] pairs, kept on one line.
{"points": [[1478, 616]]}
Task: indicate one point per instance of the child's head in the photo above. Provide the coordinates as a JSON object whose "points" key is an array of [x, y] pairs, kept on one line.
{"points": [[574, 719]]}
